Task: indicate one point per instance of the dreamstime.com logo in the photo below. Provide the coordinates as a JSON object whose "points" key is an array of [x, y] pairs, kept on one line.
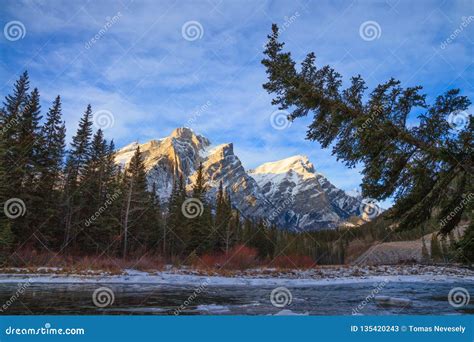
{"points": [[369, 208], [369, 298], [279, 120], [46, 330], [281, 297], [458, 297], [458, 120], [14, 208], [370, 30], [192, 208], [109, 22], [103, 119], [14, 30], [192, 30], [19, 291], [110, 199], [192, 297], [103, 296]]}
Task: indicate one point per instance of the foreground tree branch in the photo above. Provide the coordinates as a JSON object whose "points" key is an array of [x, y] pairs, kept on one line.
{"points": [[426, 167]]}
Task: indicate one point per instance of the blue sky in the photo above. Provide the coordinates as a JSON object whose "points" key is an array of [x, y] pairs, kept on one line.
{"points": [[141, 68]]}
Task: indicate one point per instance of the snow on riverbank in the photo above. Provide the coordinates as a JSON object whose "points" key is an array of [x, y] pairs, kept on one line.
{"points": [[259, 277]]}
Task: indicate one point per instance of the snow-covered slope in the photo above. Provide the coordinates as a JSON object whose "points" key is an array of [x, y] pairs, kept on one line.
{"points": [[175, 155], [305, 198], [289, 192], [222, 165]]}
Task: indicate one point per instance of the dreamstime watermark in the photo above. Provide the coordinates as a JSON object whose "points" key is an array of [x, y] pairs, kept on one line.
{"points": [[279, 120], [458, 120], [103, 296], [288, 21], [370, 297], [19, 291], [468, 198], [12, 123], [377, 110], [458, 297], [14, 208], [192, 208], [14, 30], [281, 297], [192, 30], [465, 21], [370, 30], [46, 330], [192, 297], [369, 208], [110, 199], [109, 22], [103, 119], [267, 221], [195, 115]]}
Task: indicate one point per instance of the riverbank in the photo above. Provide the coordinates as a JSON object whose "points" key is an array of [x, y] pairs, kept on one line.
{"points": [[255, 277]]}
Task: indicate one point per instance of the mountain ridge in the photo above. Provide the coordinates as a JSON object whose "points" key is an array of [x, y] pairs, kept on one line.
{"points": [[290, 191]]}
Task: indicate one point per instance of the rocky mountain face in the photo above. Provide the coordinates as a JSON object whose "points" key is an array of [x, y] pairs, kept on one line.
{"points": [[289, 192], [308, 201]]}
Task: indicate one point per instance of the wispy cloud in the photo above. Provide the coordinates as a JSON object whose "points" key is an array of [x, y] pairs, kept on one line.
{"points": [[143, 71]]}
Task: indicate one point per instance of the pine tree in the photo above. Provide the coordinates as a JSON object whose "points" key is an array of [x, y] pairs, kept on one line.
{"points": [[464, 248], [6, 235], [416, 165], [24, 165], [137, 205], [199, 227], [9, 183], [156, 220], [229, 224], [223, 226], [10, 119], [6, 241], [52, 151], [93, 236], [77, 159]]}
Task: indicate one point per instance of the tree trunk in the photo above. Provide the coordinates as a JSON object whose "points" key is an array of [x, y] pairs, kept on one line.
{"points": [[125, 223]]}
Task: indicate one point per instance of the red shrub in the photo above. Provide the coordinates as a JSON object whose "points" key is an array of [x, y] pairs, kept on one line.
{"points": [[238, 257], [292, 261]]}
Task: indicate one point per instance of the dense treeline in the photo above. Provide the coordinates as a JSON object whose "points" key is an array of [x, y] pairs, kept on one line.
{"points": [[77, 201]]}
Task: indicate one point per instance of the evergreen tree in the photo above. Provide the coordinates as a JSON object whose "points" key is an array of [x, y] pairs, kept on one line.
{"points": [[10, 119], [137, 205], [20, 119], [200, 226], [156, 220], [464, 248], [93, 236], [223, 225], [416, 165], [230, 224], [77, 159], [175, 233], [6, 241], [6, 234], [52, 151]]}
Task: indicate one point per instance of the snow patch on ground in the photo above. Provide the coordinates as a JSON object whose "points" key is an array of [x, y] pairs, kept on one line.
{"points": [[170, 278]]}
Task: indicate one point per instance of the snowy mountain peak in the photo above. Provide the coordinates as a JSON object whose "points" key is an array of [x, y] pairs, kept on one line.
{"points": [[299, 164], [222, 150], [288, 192], [186, 134]]}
